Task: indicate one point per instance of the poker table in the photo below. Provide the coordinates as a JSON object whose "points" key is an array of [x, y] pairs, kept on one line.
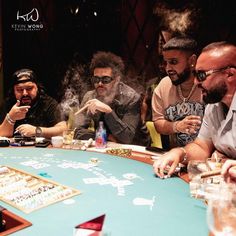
{"points": [[142, 205]]}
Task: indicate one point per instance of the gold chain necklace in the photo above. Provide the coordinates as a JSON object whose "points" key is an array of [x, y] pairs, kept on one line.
{"points": [[185, 99], [184, 107]]}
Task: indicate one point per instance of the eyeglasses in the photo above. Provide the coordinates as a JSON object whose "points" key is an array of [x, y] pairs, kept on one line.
{"points": [[103, 79], [201, 75]]}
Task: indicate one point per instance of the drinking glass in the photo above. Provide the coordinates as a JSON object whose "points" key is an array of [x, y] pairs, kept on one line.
{"points": [[68, 136], [221, 211], [195, 169]]}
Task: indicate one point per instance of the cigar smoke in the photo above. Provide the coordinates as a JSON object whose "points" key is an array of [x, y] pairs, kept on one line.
{"points": [[182, 20], [74, 85], [70, 101]]}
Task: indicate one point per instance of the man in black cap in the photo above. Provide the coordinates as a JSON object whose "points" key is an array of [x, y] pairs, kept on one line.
{"points": [[29, 109]]}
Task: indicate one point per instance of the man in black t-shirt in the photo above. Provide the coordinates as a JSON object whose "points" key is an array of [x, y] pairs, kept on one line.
{"points": [[28, 107]]}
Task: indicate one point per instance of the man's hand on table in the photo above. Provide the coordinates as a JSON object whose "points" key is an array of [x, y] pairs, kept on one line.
{"points": [[167, 163]]}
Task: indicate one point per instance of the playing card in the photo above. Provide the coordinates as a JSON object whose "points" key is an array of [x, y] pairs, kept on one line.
{"points": [[90, 180], [40, 165], [29, 163]]}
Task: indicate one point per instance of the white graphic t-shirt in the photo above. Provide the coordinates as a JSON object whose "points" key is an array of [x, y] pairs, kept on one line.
{"points": [[167, 104]]}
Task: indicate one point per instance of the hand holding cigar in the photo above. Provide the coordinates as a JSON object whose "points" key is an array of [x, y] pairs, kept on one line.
{"points": [[81, 109]]}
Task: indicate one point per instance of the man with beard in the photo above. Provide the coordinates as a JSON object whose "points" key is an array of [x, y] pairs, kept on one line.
{"points": [[112, 102], [216, 77], [29, 107], [177, 103]]}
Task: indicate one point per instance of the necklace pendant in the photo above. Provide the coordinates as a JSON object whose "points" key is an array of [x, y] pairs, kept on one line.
{"points": [[184, 108], [185, 99]]}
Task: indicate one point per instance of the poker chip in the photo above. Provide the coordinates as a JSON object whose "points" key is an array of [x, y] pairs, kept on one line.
{"points": [[94, 160], [122, 152]]}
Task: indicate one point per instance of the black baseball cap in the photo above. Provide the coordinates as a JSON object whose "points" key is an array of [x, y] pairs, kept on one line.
{"points": [[27, 73]]}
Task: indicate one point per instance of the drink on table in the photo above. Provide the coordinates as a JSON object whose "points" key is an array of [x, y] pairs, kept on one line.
{"points": [[101, 136]]}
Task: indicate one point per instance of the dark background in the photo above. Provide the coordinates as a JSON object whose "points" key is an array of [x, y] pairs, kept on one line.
{"points": [[75, 29]]}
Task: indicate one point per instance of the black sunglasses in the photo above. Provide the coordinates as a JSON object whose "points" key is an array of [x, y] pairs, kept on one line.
{"points": [[103, 79], [201, 75]]}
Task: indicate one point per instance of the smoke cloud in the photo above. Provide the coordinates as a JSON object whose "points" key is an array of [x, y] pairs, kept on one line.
{"points": [[75, 84], [182, 21]]}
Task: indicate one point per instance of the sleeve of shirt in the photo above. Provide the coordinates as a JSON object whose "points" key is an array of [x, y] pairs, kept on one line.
{"points": [[53, 113], [205, 130], [157, 104], [123, 129]]}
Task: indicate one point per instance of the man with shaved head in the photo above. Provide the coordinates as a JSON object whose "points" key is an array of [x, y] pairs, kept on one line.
{"points": [[215, 75]]}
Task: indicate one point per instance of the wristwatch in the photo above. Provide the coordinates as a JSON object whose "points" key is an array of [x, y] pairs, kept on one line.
{"points": [[38, 132]]}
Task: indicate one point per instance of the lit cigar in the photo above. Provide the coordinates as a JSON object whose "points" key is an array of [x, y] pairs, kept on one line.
{"points": [[81, 109], [210, 173]]}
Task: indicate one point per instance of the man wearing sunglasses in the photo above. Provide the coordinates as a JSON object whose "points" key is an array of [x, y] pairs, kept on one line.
{"points": [[216, 77], [112, 102], [177, 103]]}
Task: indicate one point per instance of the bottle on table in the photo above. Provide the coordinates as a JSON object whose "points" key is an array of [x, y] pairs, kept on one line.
{"points": [[101, 136]]}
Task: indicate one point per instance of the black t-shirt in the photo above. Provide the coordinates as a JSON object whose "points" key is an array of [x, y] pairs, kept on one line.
{"points": [[45, 113]]}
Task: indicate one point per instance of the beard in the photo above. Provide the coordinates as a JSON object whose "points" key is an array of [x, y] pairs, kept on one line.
{"points": [[215, 94], [108, 96], [26, 101], [182, 77]]}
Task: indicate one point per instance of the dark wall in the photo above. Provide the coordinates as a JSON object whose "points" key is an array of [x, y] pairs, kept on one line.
{"points": [[68, 29], [78, 28]]}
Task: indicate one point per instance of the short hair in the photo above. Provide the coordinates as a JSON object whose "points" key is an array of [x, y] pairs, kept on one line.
{"points": [[107, 59], [181, 43], [217, 45], [227, 52]]}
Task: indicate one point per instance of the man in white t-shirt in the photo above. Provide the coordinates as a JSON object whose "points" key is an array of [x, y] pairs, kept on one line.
{"points": [[177, 103]]}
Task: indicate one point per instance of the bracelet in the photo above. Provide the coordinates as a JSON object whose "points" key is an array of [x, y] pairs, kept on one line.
{"points": [[9, 119], [8, 116], [175, 127], [185, 154]]}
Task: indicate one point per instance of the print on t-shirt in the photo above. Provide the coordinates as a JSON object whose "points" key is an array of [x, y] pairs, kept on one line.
{"points": [[178, 112]]}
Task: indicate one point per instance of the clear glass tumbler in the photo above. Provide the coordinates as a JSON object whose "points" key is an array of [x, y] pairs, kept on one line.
{"points": [[195, 169]]}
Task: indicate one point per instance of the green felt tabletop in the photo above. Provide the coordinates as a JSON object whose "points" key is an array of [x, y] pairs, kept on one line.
{"points": [[148, 206]]}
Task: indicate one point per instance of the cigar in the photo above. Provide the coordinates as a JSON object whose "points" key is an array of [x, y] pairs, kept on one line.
{"points": [[87, 144], [81, 109], [210, 173]]}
